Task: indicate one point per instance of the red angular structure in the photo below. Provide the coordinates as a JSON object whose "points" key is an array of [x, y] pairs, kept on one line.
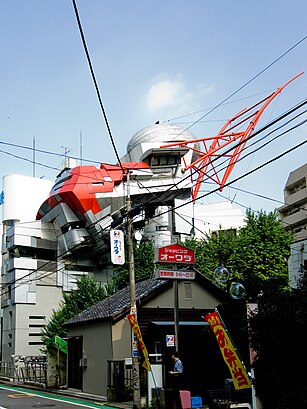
{"points": [[228, 137]]}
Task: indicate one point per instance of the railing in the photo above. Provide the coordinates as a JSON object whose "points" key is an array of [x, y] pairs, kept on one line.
{"points": [[7, 370], [34, 370], [31, 369]]}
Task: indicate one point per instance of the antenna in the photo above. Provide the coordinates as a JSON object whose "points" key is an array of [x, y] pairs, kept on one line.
{"points": [[66, 161], [33, 152], [81, 147]]}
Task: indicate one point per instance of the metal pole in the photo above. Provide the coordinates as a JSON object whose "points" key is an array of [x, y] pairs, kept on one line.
{"points": [[176, 315], [134, 342]]}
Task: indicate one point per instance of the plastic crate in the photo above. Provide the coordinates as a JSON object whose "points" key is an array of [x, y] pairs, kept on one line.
{"points": [[196, 402], [185, 397]]}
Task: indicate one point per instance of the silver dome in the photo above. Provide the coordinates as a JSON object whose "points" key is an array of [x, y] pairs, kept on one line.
{"points": [[159, 133]]}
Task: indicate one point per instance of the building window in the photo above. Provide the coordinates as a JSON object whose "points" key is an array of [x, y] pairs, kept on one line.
{"points": [[10, 323], [188, 291]]}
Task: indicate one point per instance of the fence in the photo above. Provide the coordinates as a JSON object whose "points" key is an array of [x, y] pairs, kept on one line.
{"points": [[30, 369], [7, 370], [119, 381]]}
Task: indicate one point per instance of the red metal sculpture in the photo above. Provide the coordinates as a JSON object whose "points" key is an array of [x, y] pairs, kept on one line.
{"points": [[214, 145]]}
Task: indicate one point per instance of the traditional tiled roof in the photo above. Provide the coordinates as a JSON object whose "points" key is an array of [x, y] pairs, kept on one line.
{"points": [[118, 303]]}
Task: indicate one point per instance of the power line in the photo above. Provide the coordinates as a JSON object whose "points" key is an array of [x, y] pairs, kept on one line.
{"points": [[95, 82], [179, 206], [248, 82], [282, 116]]}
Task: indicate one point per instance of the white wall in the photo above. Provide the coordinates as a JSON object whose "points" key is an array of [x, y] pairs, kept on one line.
{"points": [[23, 196]]}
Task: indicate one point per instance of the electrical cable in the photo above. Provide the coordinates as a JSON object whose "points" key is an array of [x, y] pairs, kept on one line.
{"points": [[282, 116], [95, 82], [227, 184], [248, 82]]}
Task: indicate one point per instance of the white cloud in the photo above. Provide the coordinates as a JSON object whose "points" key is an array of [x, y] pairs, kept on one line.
{"points": [[173, 97], [164, 94]]}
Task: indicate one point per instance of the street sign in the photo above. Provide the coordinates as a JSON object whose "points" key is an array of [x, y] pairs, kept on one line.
{"points": [[60, 344], [175, 253], [175, 274], [170, 340], [117, 247]]}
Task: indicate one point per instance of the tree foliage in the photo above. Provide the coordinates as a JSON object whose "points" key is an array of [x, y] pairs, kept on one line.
{"points": [[143, 267], [88, 293], [261, 252], [276, 337]]}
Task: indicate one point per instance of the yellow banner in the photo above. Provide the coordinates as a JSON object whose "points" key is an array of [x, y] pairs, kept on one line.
{"points": [[236, 367], [137, 330]]}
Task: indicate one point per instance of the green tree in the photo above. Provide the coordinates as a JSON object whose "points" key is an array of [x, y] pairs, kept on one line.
{"points": [[88, 293], [261, 252], [143, 267], [276, 336], [214, 250]]}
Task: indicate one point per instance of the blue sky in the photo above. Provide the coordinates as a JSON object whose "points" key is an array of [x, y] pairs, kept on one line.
{"points": [[153, 60]]}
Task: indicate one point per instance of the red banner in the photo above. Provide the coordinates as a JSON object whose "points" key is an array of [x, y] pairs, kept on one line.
{"points": [[236, 367], [137, 330]]}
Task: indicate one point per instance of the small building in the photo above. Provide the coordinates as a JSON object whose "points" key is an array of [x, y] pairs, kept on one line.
{"points": [[101, 335]]}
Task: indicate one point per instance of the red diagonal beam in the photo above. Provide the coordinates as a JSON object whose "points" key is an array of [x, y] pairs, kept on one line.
{"points": [[223, 139]]}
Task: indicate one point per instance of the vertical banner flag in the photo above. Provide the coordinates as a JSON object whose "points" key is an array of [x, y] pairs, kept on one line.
{"points": [[135, 327], [236, 367], [117, 246]]}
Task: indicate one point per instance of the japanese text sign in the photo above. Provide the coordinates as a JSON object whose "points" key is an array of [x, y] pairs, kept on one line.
{"points": [[135, 327], [175, 253], [117, 247], [175, 274], [236, 367]]}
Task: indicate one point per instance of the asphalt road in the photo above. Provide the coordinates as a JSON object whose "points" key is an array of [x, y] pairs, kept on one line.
{"points": [[19, 398]]}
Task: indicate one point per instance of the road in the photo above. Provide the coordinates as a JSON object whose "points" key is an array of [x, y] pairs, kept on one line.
{"points": [[22, 398]]}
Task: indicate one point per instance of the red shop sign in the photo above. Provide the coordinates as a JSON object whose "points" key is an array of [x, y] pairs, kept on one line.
{"points": [[175, 253]]}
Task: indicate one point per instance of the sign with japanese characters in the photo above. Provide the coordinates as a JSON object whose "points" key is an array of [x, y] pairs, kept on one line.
{"points": [[175, 253], [236, 367], [175, 274], [117, 247], [136, 329]]}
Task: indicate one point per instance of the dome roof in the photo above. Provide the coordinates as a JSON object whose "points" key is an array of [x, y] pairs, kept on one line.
{"points": [[159, 133]]}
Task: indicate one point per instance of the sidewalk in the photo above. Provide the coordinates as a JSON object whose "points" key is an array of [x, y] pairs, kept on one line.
{"points": [[69, 393]]}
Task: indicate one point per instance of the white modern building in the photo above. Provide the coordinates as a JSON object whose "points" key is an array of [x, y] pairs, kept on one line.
{"points": [[293, 215], [55, 231]]}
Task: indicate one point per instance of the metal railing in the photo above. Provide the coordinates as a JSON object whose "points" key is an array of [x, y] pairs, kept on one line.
{"points": [[30, 369], [7, 370]]}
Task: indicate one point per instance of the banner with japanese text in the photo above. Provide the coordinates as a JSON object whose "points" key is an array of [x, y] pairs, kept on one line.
{"points": [[135, 327], [236, 367]]}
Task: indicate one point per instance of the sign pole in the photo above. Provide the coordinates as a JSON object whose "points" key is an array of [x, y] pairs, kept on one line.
{"points": [[175, 254], [176, 314]]}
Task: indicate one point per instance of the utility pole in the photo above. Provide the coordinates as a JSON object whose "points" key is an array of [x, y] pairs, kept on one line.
{"points": [[134, 341]]}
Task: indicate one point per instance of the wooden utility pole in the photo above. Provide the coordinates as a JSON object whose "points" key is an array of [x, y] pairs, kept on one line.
{"points": [[134, 341]]}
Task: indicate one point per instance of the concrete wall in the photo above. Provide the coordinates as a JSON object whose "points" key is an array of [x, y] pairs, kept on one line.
{"points": [[190, 295], [97, 349], [121, 336]]}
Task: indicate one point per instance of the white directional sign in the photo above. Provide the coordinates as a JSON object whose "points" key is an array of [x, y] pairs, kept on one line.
{"points": [[117, 247], [175, 274]]}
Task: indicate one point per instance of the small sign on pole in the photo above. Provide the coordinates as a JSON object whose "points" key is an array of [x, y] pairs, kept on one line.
{"points": [[170, 340], [175, 274], [117, 247]]}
